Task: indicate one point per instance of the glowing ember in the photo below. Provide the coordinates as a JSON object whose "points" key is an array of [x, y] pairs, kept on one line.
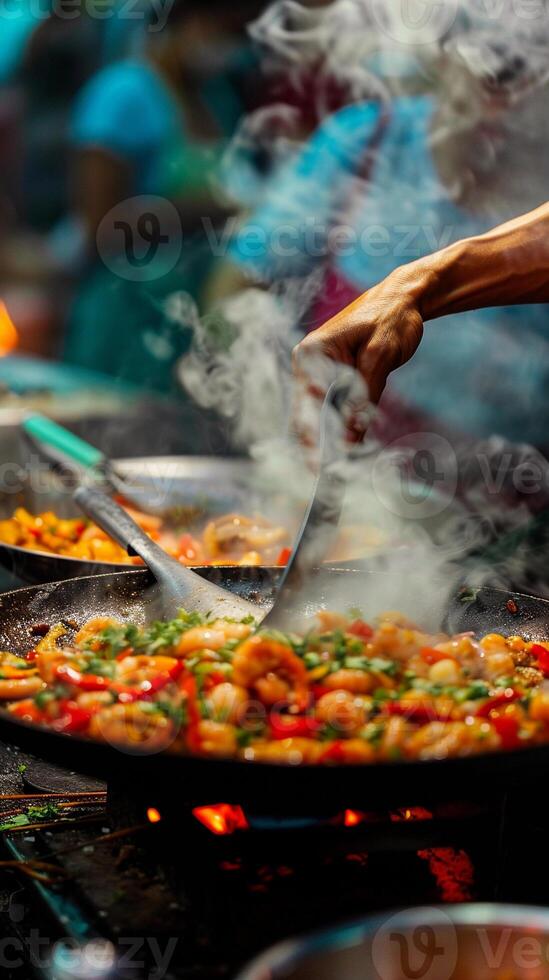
{"points": [[8, 334], [411, 813], [453, 872], [153, 815], [222, 818], [353, 817]]}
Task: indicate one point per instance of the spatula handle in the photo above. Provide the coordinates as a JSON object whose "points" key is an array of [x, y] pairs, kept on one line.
{"points": [[114, 520], [52, 434]]}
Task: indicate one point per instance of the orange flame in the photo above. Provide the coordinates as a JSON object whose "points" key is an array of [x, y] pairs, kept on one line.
{"points": [[222, 818], [8, 334], [412, 813], [353, 817], [153, 816]]}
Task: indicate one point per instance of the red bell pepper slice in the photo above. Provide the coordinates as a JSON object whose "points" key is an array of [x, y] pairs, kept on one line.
{"points": [[420, 713], [335, 753], [542, 657], [84, 682], [432, 656], [129, 695], [319, 690], [28, 711], [497, 701], [361, 629], [292, 726], [72, 718], [284, 557], [507, 728]]}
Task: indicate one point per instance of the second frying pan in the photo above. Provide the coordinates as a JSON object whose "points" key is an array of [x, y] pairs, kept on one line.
{"points": [[127, 595]]}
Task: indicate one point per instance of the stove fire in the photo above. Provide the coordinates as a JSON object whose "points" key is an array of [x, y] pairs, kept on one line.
{"points": [[9, 337], [222, 818], [351, 818]]}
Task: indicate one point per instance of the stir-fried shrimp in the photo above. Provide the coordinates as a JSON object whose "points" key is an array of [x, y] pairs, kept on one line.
{"points": [[271, 669], [346, 693]]}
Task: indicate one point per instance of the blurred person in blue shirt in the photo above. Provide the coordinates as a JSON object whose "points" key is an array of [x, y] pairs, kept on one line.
{"points": [[153, 125]]}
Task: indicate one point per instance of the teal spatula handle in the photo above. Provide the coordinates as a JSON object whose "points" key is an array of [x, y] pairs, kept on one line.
{"points": [[55, 435]]}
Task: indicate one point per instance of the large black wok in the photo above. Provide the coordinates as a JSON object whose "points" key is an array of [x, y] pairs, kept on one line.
{"points": [[127, 595]]}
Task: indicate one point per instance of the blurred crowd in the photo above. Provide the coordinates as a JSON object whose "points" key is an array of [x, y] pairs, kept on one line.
{"points": [[197, 147]]}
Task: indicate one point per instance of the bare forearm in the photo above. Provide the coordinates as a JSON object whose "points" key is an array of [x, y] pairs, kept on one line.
{"points": [[506, 266]]}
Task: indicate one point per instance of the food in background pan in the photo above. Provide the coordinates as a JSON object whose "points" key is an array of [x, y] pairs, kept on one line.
{"points": [[345, 692], [233, 539]]}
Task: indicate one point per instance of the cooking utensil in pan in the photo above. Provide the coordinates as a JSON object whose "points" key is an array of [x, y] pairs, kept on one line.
{"points": [[179, 587], [321, 521], [60, 447], [302, 788]]}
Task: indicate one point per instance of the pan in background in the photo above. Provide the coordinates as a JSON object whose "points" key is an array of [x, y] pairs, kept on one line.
{"points": [[213, 485], [167, 780], [451, 942]]}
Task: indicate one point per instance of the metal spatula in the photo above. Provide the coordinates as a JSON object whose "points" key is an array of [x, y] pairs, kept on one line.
{"points": [[179, 586], [321, 520]]}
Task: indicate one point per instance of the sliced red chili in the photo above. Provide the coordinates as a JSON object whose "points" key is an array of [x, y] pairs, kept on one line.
{"points": [[361, 629], [293, 726], [28, 711], [72, 718], [422, 714], [542, 657], [85, 682], [432, 656], [507, 728], [284, 557], [334, 753], [497, 701]]}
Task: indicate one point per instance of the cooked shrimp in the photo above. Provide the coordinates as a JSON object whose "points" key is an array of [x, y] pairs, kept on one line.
{"points": [[233, 631], [227, 702], [288, 750], [134, 670], [27, 687], [356, 681], [342, 711], [217, 738], [270, 668], [201, 638], [438, 740], [128, 725]]}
